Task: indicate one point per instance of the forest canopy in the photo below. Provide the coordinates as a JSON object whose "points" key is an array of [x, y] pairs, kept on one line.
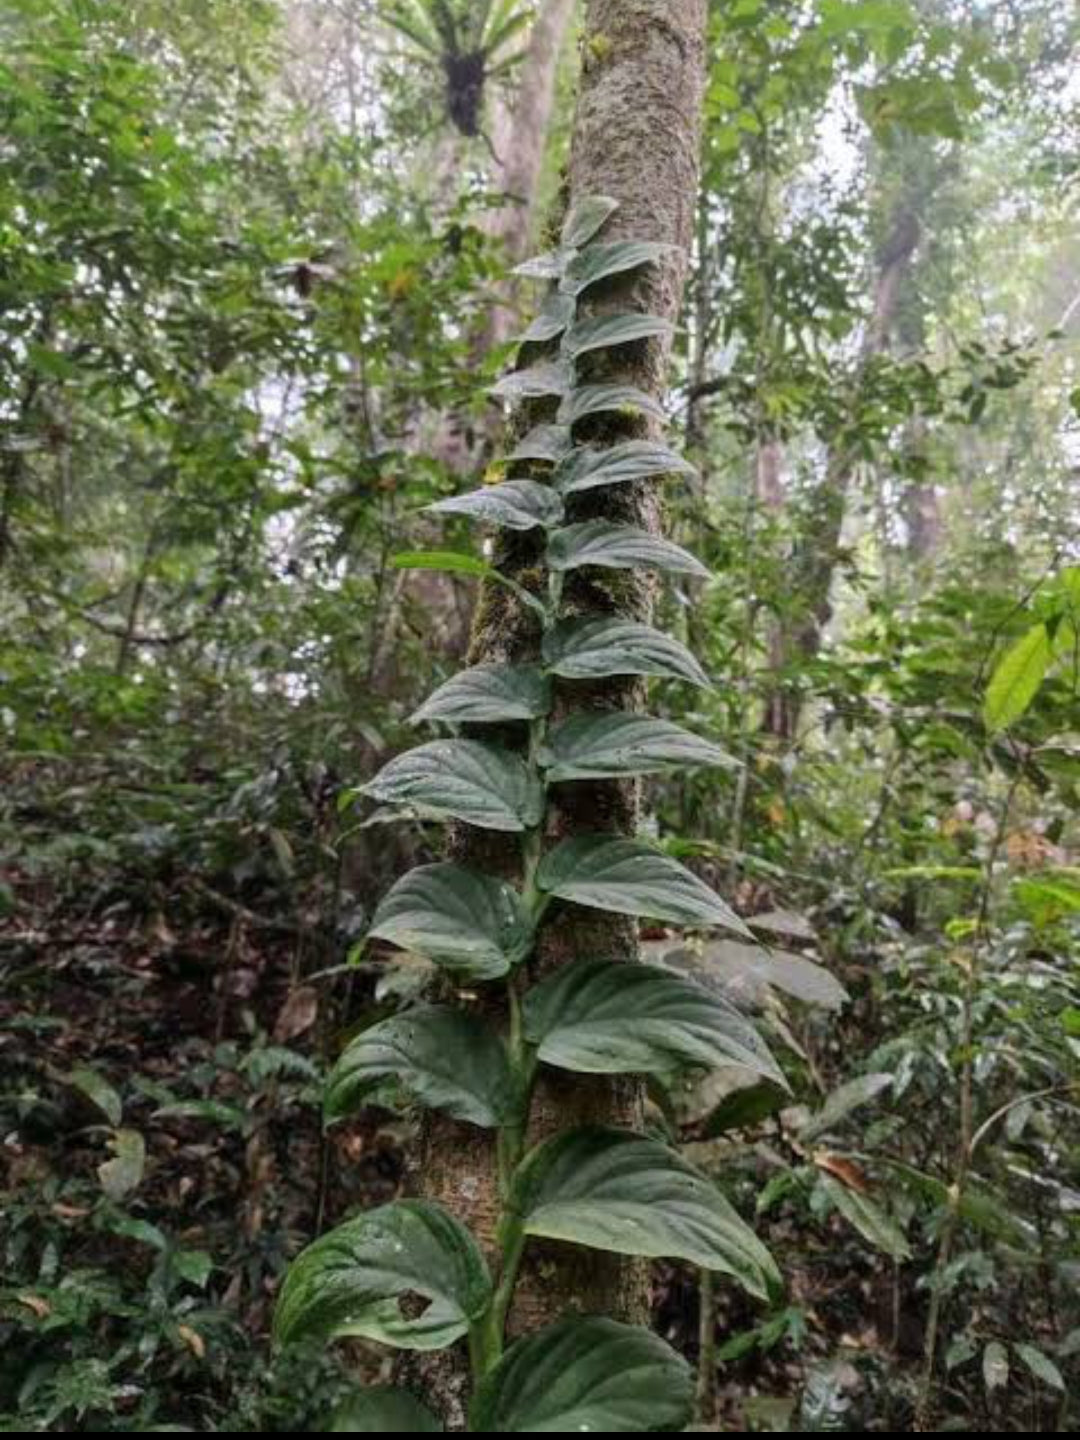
{"points": [[293, 294]]}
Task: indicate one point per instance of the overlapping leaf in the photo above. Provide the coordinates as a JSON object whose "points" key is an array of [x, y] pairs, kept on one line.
{"points": [[586, 1374], [601, 262], [588, 400], [605, 1017], [462, 780], [618, 547], [548, 443], [586, 218], [515, 504], [603, 332], [594, 746], [631, 878], [552, 379], [615, 1190], [592, 469], [588, 649], [465, 921], [445, 1059], [489, 694], [353, 1280]]}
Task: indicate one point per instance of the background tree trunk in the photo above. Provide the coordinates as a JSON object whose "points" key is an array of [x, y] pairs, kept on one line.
{"points": [[637, 139]]}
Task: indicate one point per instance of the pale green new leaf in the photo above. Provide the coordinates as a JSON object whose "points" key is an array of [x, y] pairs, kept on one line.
{"points": [[462, 780], [586, 1374], [619, 1191], [489, 694], [631, 878], [444, 1059], [515, 504], [462, 920], [594, 649], [1016, 681], [595, 746], [618, 547], [605, 1017], [352, 1281]]}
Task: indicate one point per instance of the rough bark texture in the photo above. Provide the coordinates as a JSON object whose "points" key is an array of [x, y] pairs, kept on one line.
{"points": [[636, 138]]}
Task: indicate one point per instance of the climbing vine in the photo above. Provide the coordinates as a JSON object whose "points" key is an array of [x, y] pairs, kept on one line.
{"points": [[610, 1189]]}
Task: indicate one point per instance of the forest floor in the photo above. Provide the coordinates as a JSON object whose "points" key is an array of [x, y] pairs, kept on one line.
{"points": [[163, 1156]]}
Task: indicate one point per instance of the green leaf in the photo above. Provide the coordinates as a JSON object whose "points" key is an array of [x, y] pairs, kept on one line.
{"points": [[618, 547], [124, 1172], [464, 921], [548, 443], [449, 562], [604, 332], [550, 266], [600, 262], [489, 694], [607, 399], [744, 1109], [629, 878], [590, 469], [587, 216], [594, 746], [352, 1282], [614, 1190], [382, 1411], [604, 1017], [868, 1219], [550, 380], [1041, 1366], [586, 1374], [1016, 681], [515, 504], [444, 1059], [844, 1101], [995, 1366], [557, 314], [98, 1091], [464, 780], [582, 649]]}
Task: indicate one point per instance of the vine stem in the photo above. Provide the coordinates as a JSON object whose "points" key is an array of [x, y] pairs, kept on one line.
{"points": [[487, 1339]]}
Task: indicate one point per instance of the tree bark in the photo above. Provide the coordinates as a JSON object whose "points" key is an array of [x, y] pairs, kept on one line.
{"points": [[637, 139], [521, 137]]}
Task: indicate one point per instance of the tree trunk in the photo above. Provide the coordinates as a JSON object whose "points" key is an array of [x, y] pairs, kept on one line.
{"points": [[819, 545], [636, 138], [520, 142]]}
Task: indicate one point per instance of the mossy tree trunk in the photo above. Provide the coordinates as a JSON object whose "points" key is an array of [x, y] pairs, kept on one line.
{"points": [[636, 139]]}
